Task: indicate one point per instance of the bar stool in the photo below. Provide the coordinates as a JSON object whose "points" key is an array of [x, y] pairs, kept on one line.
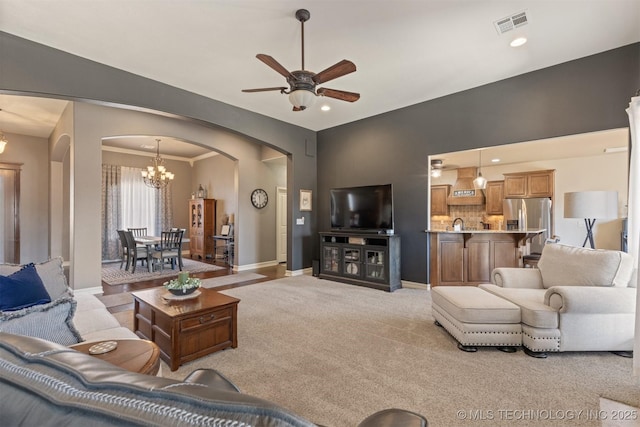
{"points": [[530, 261]]}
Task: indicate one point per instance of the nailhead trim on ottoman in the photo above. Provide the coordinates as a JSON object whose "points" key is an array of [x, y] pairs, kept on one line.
{"points": [[475, 317]]}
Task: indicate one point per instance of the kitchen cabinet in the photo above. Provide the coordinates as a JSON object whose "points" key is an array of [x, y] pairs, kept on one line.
{"points": [[468, 258], [494, 194], [439, 194], [529, 184]]}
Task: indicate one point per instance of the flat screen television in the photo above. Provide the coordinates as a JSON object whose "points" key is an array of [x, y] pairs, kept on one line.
{"points": [[364, 209]]}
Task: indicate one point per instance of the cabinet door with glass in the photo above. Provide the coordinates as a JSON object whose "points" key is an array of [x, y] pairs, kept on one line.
{"points": [[330, 259], [352, 258], [376, 265]]}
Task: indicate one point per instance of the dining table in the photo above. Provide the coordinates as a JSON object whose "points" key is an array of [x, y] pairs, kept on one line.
{"points": [[151, 242]]}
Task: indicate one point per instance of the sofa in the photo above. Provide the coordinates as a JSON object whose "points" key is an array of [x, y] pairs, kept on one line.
{"points": [[44, 382], [577, 299], [63, 317]]}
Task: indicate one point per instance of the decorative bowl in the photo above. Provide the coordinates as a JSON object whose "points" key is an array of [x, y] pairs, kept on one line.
{"points": [[183, 291], [183, 285]]}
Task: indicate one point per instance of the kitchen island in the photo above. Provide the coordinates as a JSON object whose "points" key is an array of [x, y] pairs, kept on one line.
{"points": [[468, 257]]}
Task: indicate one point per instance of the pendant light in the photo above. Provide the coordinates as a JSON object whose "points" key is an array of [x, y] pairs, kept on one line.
{"points": [[480, 183]]}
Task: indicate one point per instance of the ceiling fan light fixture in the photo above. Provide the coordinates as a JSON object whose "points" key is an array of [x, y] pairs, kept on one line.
{"points": [[302, 98], [302, 83], [436, 168]]}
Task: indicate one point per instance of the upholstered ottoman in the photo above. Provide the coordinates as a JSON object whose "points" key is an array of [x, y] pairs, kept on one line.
{"points": [[477, 318]]}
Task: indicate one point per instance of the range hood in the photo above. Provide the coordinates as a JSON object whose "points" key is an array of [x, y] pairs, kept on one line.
{"points": [[463, 192]]}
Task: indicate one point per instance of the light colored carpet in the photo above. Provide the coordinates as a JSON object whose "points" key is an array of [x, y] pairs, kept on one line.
{"points": [[125, 318], [113, 275], [215, 282], [116, 299], [335, 353]]}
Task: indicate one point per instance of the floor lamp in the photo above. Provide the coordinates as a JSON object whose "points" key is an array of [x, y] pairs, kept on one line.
{"points": [[591, 205]]}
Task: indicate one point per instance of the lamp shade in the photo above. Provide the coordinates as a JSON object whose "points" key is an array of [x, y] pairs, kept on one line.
{"points": [[591, 204], [480, 183], [302, 98]]}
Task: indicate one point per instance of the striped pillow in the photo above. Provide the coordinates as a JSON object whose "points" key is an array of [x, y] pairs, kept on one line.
{"points": [[52, 321]]}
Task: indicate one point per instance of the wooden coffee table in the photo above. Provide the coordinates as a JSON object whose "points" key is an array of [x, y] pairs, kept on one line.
{"points": [[133, 355], [187, 329]]}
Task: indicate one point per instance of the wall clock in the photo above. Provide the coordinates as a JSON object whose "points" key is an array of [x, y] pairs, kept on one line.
{"points": [[259, 198]]}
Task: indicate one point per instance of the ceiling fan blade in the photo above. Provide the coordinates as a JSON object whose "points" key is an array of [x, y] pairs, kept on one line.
{"points": [[337, 70], [275, 65], [265, 89], [339, 94]]}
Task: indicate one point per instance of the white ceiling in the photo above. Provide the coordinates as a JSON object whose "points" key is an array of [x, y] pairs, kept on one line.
{"points": [[406, 52], [566, 147]]}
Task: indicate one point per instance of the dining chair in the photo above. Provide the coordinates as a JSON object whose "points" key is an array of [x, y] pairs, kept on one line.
{"points": [[125, 249], [170, 248], [138, 232], [135, 252]]}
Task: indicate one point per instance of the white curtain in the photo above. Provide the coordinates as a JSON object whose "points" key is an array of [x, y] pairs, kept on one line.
{"points": [[138, 202], [633, 234]]}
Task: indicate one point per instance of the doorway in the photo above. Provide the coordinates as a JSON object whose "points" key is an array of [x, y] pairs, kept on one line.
{"points": [[10, 212], [281, 224]]}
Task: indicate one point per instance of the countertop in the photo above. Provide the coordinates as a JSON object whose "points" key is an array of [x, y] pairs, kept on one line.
{"points": [[483, 231]]}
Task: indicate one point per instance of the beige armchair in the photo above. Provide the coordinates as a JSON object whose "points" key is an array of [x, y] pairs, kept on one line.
{"points": [[577, 299]]}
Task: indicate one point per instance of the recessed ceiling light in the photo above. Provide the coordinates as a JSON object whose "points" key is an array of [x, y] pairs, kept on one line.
{"points": [[325, 108], [518, 41], [147, 147], [496, 160]]}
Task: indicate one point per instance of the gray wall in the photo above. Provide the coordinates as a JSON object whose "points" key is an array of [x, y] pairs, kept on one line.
{"points": [[217, 175], [33, 153], [29, 68], [580, 96]]}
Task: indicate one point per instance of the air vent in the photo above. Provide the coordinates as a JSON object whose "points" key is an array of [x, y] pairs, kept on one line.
{"points": [[507, 24]]}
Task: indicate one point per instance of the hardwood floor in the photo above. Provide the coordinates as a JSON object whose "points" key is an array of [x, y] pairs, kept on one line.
{"points": [[271, 273]]}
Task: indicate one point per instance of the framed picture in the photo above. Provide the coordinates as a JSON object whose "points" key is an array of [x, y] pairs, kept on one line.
{"points": [[305, 200]]}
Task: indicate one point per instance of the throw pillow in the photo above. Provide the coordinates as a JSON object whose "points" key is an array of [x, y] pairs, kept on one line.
{"points": [[52, 274], [22, 289], [563, 265], [52, 321]]}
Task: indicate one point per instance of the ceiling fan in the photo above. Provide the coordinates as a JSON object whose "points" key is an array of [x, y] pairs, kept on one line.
{"points": [[302, 83], [437, 166]]}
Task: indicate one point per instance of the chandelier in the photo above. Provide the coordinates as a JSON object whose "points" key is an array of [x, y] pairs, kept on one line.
{"points": [[157, 176]]}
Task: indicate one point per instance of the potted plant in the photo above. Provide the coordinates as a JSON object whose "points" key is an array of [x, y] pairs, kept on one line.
{"points": [[183, 285]]}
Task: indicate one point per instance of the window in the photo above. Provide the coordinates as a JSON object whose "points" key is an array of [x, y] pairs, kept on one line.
{"points": [[138, 205]]}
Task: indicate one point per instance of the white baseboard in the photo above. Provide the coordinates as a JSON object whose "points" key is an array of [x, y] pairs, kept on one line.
{"points": [[305, 271], [94, 290], [415, 285], [254, 266]]}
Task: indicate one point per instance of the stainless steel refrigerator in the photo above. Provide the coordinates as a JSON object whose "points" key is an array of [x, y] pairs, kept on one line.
{"points": [[527, 214]]}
